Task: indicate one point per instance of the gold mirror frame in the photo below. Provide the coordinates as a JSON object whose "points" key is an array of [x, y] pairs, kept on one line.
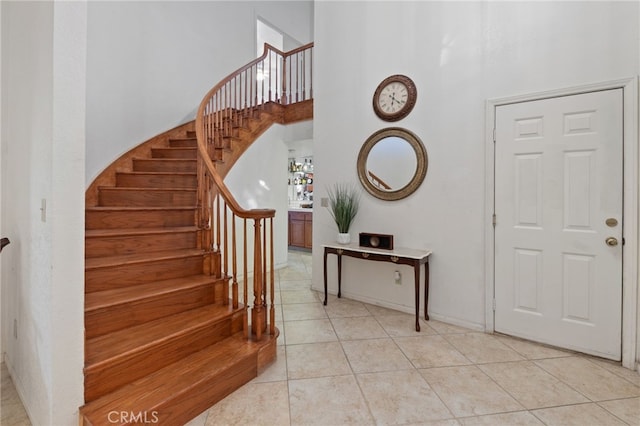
{"points": [[421, 167]]}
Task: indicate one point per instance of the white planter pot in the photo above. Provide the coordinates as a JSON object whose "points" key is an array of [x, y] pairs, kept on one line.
{"points": [[344, 238]]}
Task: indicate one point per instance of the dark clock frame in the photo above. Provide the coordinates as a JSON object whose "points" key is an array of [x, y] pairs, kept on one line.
{"points": [[411, 99]]}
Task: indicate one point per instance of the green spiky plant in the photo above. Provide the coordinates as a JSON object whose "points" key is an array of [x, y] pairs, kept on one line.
{"points": [[344, 201]]}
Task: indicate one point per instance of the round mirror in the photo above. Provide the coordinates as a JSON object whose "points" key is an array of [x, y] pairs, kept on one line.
{"points": [[392, 163]]}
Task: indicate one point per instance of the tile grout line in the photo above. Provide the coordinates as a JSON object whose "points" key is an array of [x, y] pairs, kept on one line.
{"points": [[414, 368]]}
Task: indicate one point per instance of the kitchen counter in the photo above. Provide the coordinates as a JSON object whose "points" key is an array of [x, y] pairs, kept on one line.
{"points": [[301, 209]]}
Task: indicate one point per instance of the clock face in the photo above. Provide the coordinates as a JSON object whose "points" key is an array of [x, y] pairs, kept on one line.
{"points": [[394, 98]]}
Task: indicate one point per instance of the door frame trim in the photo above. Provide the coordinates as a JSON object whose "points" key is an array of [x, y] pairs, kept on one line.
{"points": [[631, 196]]}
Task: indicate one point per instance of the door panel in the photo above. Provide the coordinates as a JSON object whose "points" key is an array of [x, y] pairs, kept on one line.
{"points": [[558, 178]]}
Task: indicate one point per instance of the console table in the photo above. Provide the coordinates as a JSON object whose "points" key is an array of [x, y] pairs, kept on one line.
{"points": [[401, 256]]}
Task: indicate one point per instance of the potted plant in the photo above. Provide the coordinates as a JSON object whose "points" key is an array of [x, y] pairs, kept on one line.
{"points": [[344, 201]]}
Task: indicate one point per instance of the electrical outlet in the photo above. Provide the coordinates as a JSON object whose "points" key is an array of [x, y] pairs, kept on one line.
{"points": [[397, 277], [324, 202]]}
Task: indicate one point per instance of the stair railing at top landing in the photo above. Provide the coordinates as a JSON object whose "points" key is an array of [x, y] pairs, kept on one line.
{"points": [[275, 77]]}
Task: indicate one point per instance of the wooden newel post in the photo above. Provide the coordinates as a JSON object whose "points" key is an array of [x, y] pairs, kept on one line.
{"points": [[272, 280], [259, 312]]}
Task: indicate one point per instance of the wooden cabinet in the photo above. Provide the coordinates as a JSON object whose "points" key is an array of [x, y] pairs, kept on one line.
{"points": [[300, 229], [296, 231]]}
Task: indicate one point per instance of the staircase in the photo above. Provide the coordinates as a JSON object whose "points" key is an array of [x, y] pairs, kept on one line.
{"points": [[166, 335]]}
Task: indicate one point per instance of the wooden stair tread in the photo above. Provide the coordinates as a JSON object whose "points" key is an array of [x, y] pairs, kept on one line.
{"points": [[187, 138], [174, 380], [177, 148], [106, 298], [142, 188], [158, 334], [136, 208], [165, 160], [115, 232], [121, 343], [160, 173], [127, 259], [175, 152]]}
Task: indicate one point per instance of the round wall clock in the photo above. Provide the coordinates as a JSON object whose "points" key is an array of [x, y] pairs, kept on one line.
{"points": [[394, 97]]}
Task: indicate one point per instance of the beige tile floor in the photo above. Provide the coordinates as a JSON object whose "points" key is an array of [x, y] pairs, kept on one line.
{"points": [[352, 363], [12, 412]]}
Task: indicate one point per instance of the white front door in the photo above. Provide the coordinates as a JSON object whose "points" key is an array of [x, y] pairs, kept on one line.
{"points": [[558, 232]]}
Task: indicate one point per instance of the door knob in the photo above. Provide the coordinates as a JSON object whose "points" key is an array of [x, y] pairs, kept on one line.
{"points": [[611, 241]]}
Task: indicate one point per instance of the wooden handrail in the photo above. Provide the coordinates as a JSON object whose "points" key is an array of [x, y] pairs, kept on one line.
{"points": [[226, 194], [275, 77], [377, 181], [267, 49], [203, 114]]}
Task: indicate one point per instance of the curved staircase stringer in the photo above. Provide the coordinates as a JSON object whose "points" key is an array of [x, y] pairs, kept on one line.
{"points": [[124, 163]]}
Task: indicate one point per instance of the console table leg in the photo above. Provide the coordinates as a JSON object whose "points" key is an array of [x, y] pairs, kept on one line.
{"points": [[339, 275], [325, 276], [416, 269], [426, 289]]}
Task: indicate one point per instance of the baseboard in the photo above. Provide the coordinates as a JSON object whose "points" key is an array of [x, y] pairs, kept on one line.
{"points": [[407, 309]]}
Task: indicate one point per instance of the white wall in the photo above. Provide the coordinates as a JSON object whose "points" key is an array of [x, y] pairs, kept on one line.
{"points": [[141, 69], [638, 230], [258, 187], [459, 55], [2, 90], [66, 210], [43, 101], [150, 63]]}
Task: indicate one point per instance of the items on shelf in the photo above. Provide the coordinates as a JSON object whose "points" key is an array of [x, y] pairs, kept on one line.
{"points": [[307, 166], [300, 179], [305, 179]]}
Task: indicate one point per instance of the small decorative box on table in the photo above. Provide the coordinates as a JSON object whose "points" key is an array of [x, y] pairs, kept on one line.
{"points": [[401, 256]]}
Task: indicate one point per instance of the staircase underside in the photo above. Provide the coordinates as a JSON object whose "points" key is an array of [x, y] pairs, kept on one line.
{"points": [[162, 340]]}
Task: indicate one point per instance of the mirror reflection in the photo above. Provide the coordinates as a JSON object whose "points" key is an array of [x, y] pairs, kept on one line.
{"points": [[391, 163]]}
